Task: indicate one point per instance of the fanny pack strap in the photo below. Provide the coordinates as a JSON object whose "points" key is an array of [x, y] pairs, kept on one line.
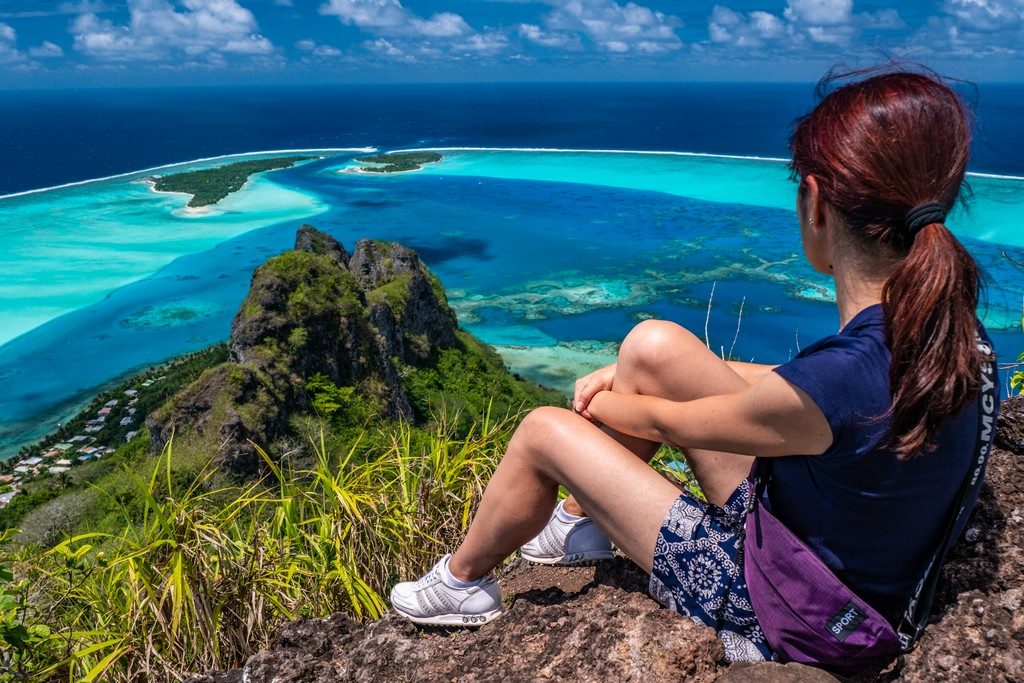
{"points": [[915, 616]]}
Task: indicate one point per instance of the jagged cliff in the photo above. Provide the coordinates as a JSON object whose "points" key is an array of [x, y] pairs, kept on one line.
{"points": [[598, 624], [366, 321]]}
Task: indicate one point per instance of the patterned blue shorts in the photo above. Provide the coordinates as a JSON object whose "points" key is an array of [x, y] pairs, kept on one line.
{"points": [[695, 572]]}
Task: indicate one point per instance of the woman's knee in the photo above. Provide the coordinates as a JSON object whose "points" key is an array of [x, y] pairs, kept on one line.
{"points": [[544, 424], [540, 432], [650, 343]]}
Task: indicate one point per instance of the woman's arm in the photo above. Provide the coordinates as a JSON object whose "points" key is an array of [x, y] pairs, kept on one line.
{"points": [[771, 418]]}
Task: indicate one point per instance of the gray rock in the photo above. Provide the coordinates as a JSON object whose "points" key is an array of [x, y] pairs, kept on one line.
{"points": [[561, 624], [1010, 430], [312, 240]]}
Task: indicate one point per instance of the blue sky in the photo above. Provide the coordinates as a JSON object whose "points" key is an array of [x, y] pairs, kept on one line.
{"points": [[54, 43]]}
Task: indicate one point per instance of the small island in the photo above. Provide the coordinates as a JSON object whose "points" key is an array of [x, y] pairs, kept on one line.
{"points": [[397, 162], [210, 185]]}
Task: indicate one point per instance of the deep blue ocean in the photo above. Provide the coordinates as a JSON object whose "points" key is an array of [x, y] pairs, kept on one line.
{"points": [[53, 137]]}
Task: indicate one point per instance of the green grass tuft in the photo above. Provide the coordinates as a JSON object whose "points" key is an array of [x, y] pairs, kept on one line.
{"points": [[201, 572]]}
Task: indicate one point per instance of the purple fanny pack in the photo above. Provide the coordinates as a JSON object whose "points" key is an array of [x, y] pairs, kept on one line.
{"points": [[807, 614]]}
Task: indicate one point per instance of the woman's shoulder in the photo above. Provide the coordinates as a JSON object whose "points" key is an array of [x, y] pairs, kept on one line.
{"points": [[860, 347], [864, 331], [845, 374]]}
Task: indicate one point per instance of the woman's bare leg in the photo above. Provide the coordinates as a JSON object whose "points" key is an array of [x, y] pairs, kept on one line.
{"points": [[625, 497], [660, 358], [605, 471]]}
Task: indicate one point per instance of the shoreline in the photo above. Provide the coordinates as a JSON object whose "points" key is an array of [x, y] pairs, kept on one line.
{"points": [[361, 169], [189, 211]]}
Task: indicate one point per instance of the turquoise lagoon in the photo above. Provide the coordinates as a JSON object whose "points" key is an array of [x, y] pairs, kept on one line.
{"points": [[549, 255]]}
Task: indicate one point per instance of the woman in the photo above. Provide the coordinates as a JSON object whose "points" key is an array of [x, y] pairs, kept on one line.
{"points": [[871, 430]]}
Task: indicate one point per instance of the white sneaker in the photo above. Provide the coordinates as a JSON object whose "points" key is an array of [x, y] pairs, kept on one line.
{"points": [[568, 543], [431, 601]]}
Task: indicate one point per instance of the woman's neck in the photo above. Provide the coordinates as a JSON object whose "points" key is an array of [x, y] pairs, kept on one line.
{"points": [[855, 291]]}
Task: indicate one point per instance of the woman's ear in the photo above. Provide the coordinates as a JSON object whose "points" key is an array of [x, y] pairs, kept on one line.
{"points": [[812, 225], [813, 209]]}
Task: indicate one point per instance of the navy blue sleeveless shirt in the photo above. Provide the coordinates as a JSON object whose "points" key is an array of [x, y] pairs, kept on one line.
{"points": [[873, 519]]}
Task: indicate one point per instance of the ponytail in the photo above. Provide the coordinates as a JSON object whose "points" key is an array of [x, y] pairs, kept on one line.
{"points": [[890, 154], [929, 303]]}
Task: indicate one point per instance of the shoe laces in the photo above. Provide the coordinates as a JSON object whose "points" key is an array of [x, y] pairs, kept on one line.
{"points": [[430, 578]]}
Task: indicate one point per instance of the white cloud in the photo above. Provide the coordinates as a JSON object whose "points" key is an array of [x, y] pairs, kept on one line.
{"points": [[250, 45], [312, 47], [442, 25], [829, 22], [819, 12], [882, 19], [767, 25], [487, 42], [386, 48], [535, 34], [752, 30], [8, 45], [974, 29], [615, 27], [403, 35], [826, 22], [390, 17], [160, 29], [832, 35], [986, 15], [46, 49]]}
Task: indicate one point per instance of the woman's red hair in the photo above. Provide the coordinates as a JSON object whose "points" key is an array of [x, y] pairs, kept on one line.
{"points": [[879, 147]]}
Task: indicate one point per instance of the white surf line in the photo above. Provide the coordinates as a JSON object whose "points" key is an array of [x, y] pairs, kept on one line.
{"points": [[557, 150], [996, 176], [365, 150], [560, 150]]}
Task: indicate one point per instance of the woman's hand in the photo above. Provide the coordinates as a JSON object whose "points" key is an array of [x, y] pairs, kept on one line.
{"points": [[588, 385]]}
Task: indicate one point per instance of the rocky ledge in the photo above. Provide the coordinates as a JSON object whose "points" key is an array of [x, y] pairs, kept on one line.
{"points": [[598, 624]]}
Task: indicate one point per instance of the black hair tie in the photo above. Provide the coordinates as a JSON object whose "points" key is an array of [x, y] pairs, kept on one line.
{"points": [[922, 215]]}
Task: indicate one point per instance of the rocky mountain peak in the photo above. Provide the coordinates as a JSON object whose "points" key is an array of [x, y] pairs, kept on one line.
{"points": [[316, 310], [313, 241]]}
